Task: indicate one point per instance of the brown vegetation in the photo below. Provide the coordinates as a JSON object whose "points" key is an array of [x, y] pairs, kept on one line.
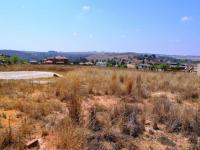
{"points": [[99, 108]]}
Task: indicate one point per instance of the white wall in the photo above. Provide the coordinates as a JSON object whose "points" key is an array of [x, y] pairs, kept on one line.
{"points": [[198, 69]]}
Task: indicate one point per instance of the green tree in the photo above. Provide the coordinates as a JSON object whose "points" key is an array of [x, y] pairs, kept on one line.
{"points": [[14, 59]]}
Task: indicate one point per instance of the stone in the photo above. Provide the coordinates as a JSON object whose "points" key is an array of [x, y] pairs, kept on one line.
{"points": [[33, 143], [151, 131], [166, 141], [155, 126]]}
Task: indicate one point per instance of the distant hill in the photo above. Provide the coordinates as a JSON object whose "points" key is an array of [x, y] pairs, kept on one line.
{"points": [[132, 57], [193, 58], [102, 55], [73, 56], [31, 55]]}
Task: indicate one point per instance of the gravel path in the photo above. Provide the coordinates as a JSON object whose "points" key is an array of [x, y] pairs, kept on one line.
{"points": [[18, 75]]}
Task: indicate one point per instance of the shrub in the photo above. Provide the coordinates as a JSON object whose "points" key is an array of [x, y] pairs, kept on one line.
{"points": [[134, 124], [121, 79], [75, 109], [165, 141], [129, 85], [1, 126], [176, 118], [113, 84], [161, 109], [6, 139], [130, 117], [69, 136], [102, 141]]}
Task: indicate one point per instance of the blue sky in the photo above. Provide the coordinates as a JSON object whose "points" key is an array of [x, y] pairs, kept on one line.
{"points": [[152, 26]]}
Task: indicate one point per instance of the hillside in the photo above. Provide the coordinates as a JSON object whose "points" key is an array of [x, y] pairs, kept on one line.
{"points": [[32, 55], [128, 56]]}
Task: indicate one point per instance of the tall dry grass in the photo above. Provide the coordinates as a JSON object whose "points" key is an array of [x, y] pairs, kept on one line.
{"points": [[70, 137], [176, 117], [37, 102]]}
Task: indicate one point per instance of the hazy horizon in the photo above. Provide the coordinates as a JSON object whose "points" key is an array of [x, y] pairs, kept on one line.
{"points": [[142, 26]]}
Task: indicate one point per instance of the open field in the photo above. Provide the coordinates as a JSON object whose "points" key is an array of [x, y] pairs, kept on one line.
{"points": [[93, 108]]}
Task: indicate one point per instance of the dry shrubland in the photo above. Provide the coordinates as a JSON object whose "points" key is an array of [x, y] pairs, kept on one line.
{"points": [[70, 111]]}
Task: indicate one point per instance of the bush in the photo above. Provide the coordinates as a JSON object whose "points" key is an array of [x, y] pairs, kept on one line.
{"points": [[129, 85], [75, 109], [70, 137], [176, 118], [134, 123]]}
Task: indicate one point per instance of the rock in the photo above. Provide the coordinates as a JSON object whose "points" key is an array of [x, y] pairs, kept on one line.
{"points": [[175, 127], [18, 115], [155, 126], [33, 143], [170, 148], [100, 120], [193, 139], [57, 75], [151, 131], [165, 141], [147, 122]]}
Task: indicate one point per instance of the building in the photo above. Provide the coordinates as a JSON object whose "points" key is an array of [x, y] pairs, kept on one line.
{"points": [[176, 66], [33, 62], [5, 59], [131, 66], [197, 69], [101, 64], [144, 66], [56, 60], [86, 63]]}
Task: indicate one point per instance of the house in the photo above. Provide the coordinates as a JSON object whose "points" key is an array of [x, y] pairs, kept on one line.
{"points": [[197, 69], [144, 66], [5, 55], [56, 60], [86, 63], [33, 62], [173, 65], [131, 66], [5, 59], [176, 66], [191, 68], [101, 64]]}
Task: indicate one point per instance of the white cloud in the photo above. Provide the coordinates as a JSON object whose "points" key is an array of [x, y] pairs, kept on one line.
{"points": [[86, 8], [186, 18]]}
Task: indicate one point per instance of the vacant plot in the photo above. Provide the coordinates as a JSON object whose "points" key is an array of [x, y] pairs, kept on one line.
{"points": [[101, 108]]}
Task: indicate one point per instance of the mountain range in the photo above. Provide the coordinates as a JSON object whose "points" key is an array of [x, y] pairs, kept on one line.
{"points": [[33, 55]]}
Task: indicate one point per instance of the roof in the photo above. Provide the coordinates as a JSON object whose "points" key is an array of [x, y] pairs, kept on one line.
{"points": [[57, 57], [48, 62], [144, 65], [50, 57], [60, 57], [60, 62], [33, 61]]}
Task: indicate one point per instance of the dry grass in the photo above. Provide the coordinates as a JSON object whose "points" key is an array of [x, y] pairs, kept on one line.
{"points": [[12, 138], [126, 119], [70, 137], [177, 118]]}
